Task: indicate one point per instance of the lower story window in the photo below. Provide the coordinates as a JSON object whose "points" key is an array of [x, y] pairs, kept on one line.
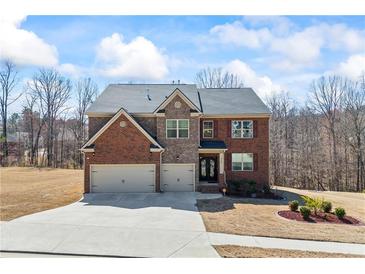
{"points": [[242, 161]]}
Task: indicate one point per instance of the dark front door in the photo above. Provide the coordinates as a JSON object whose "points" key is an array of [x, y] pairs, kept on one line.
{"points": [[208, 169]]}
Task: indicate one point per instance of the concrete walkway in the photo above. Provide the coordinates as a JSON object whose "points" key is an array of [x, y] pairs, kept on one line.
{"points": [[266, 242]]}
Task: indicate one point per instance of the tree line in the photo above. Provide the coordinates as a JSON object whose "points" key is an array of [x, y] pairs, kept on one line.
{"points": [[50, 129], [318, 144]]}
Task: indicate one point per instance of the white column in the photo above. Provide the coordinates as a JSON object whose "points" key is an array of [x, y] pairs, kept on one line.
{"points": [[221, 163]]}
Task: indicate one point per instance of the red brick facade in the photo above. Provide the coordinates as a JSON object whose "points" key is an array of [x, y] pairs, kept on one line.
{"points": [[129, 145], [117, 145], [96, 123], [258, 145]]}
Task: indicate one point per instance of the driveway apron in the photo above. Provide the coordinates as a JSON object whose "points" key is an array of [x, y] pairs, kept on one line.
{"points": [[126, 225]]}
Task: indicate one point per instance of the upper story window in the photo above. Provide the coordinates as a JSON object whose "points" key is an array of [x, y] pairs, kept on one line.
{"points": [[177, 128], [242, 161], [242, 129], [208, 128]]}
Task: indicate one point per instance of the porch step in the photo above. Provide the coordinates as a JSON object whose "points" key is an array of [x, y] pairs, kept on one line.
{"points": [[209, 188]]}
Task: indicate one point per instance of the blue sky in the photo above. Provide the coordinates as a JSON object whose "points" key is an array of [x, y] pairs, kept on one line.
{"points": [[268, 53]]}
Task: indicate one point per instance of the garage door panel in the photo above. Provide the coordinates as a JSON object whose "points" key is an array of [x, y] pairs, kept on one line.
{"points": [[123, 178], [177, 177]]}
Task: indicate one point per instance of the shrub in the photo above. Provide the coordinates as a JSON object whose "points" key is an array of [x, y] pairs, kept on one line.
{"points": [[241, 187], [266, 189], [293, 205], [235, 185], [314, 204], [326, 206], [305, 212], [252, 187], [340, 212]]}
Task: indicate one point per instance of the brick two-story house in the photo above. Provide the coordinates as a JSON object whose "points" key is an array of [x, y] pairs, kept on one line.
{"points": [[167, 137]]}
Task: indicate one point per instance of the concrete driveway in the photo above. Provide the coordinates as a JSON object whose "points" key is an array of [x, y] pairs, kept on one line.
{"points": [[126, 225]]}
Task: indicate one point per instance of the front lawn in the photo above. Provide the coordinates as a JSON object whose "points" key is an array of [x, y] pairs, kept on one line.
{"points": [[258, 217], [28, 190], [233, 251]]}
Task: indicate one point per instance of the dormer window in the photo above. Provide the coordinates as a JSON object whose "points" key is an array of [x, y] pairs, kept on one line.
{"points": [[208, 129]]}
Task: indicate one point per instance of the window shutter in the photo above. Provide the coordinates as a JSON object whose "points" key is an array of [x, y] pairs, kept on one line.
{"points": [[229, 122], [255, 161], [255, 128], [215, 129], [229, 161]]}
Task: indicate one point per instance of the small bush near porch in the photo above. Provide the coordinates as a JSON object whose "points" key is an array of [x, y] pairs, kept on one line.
{"points": [[249, 188]]}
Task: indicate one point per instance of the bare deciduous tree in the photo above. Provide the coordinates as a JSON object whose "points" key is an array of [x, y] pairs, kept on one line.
{"points": [[327, 94], [320, 145], [355, 110], [217, 78], [8, 82], [52, 91], [86, 93]]}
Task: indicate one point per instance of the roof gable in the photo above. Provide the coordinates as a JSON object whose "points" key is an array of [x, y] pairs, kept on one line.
{"points": [[122, 111], [176, 92]]}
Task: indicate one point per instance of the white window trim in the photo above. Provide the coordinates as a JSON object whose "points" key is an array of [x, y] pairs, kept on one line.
{"points": [[177, 128], [242, 137], [242, 170], [208, 121]]}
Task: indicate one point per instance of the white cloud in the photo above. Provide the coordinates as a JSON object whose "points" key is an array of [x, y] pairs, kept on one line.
{"points": [[295, 48], [300, 49], [263, 85], [239, 35], [24, 47], [138, 59], [278, 24], [70, 69], [339, 36], [352, 68]]}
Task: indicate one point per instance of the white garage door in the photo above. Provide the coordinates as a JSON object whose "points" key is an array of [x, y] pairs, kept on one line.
{"points": [[122, 178], [177, 177]]}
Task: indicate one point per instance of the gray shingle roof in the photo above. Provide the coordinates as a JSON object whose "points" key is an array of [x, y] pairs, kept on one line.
{"points": [[134, 98], [231, 101]]}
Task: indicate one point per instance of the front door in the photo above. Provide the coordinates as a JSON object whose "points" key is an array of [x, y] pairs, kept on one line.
{"points": [[208, 169]]}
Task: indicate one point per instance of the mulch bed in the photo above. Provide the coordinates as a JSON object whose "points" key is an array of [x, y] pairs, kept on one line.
{"points": [[319, 218], [258, 195]]}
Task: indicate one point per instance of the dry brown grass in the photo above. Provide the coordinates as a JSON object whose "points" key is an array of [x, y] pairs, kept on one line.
{"points": [[28, 190], [354, 203], [259, 217], [234, 251]]}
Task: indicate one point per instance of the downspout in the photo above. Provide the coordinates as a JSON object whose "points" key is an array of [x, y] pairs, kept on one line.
{"points": [[162, 151]]}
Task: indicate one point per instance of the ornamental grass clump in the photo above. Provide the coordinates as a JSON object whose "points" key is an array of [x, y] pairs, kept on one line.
{"points": [[314, 204]]}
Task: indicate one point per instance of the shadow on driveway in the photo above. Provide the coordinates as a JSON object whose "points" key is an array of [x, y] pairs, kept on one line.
{"points": [[173, 200]]}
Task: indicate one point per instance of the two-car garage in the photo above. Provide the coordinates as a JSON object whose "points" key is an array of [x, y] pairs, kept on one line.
{"points": [[141, 177]]}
